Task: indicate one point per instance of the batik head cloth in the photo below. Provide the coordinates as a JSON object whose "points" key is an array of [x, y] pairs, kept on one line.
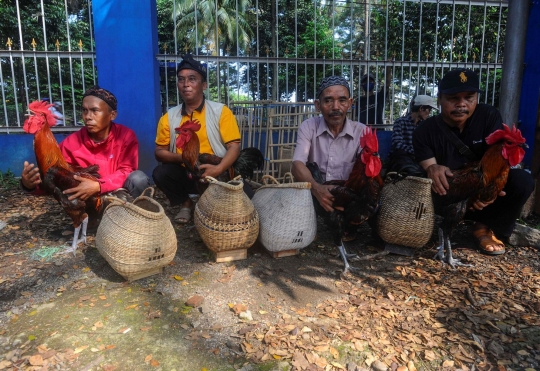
{"points": [[331, 81], [104, 95]]}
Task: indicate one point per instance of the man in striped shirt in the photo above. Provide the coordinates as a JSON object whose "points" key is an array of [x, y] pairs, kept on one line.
{"points": [[402, 151]]}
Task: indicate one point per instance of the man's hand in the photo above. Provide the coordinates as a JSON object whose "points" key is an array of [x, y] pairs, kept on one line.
{"points": [[30, 176], [211, 170], [438, 174], [86, 189], [323, 195], [479, 205]]}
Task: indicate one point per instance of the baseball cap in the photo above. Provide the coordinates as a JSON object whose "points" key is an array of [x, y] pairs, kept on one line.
{"points": [[188, 63], [424, 100], [459, 80], [365, 77]]}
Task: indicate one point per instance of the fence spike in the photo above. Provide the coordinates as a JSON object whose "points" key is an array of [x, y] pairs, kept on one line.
{"points": [[9, 43], [80, 45], [33, 43], [57, 44]]}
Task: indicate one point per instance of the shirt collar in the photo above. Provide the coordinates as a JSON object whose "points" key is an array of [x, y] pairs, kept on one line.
{"points": [[198, 109], [322, 128]]}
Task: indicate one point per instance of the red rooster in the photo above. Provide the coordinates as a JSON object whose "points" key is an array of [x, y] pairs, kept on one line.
{"points": [[248, 160], [56, 174], [358, 196], [479, 181]]}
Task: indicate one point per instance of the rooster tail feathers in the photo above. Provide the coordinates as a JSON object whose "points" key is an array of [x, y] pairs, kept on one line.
{"points": [[249, 160], [315, 172]]}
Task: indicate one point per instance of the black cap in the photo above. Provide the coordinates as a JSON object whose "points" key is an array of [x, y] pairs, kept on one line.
{"points": [[459, 80], [188, 63]]}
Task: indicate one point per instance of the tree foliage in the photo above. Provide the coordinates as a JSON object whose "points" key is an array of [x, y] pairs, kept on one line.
{"points": [[58, 78]]}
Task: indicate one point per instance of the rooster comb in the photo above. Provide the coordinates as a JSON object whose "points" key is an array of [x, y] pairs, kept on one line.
{"points": [[369, 139], [513, 134]]}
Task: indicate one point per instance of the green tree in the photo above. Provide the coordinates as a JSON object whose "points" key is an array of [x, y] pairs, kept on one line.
{"points": [[214, 25], [55, 80]]}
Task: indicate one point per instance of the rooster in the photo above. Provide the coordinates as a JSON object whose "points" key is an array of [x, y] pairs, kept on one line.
{"points": [[478, 181], [56, 174], [248, 160], [358, 196]]}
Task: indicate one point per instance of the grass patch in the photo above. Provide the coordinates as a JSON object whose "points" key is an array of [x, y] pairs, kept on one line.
{"points": [[8, 180]]}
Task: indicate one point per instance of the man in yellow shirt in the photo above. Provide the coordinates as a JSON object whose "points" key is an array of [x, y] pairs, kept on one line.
{"points": [[219, 135]]}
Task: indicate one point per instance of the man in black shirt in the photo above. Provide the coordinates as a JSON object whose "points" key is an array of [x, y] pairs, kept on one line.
{"points": [[471, 122], [371, 106]]}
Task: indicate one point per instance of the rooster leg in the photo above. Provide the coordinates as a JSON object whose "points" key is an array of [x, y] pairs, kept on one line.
{"points": [[76, 239], [450, 260], [440, 249], [344, 256]]}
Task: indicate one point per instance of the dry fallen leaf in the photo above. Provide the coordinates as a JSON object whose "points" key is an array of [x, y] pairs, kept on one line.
{"points": [[154, 363], [148, 358], [36, 360]]}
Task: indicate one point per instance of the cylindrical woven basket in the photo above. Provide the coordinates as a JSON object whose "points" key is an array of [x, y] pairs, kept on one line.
{"points": [[288, 219], [406, 214], [136, 238], [225, 216]]}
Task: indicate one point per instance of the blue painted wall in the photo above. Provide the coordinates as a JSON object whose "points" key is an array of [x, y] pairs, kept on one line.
{"points": [[17, 148], [530, 89], [126, 48]]}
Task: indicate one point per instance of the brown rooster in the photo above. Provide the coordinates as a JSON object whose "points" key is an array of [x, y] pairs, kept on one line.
{"points": [[479, 181], [358, 196], [248, 160], [56, 174]]}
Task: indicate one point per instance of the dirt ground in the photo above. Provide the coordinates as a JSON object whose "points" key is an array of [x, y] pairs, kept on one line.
{"points": [[65, 312]]}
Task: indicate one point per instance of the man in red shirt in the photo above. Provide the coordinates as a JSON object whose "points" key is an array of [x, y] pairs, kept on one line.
{"points": [[114, 147]]}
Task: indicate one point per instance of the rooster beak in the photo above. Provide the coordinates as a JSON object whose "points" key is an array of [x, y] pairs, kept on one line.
{"points": [[524, 145]]}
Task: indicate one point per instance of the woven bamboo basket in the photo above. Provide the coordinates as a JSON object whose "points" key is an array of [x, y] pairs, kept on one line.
{"points": [[406, 215], [137, 239], [288, 219], [225, 217]]}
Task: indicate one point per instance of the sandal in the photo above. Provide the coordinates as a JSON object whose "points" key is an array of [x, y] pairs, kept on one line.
{"points": [[183, 216], [485, 237]]}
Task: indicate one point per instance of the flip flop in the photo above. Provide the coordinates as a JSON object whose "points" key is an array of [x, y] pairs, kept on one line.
{"points": [[183, 216], [484, 237]]}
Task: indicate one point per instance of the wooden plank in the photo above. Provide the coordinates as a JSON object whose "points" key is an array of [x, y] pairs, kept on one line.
{"points": [[284, 253], [138, 276], [231, 255]]}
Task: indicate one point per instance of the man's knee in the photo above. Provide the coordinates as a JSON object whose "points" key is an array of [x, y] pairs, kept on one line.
{"points": [[159, 174], [520, 183], [136, 183]]}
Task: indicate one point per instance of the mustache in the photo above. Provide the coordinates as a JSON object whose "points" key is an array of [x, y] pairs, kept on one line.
{"points": [[336, 113], [459, 111]]}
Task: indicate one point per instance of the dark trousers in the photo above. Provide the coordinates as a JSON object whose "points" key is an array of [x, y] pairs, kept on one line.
{"points": [[501, 215], [174, 181], [136, 183]]}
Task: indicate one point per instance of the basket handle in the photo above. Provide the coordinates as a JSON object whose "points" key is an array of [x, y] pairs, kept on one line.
{"points": [[288, 175], [210, 179], [115, 200], [150, 190], [265, 179]]}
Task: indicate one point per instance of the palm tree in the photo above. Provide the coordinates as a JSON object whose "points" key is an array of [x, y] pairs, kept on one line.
{"points": [[216, 23]]}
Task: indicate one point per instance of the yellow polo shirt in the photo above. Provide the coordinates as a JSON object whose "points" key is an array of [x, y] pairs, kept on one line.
{"points": [[228, 129]]}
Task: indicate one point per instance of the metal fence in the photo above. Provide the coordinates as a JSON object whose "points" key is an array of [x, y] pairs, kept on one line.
{"points": [[49, 55], [292, 45], [276, 51]]}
